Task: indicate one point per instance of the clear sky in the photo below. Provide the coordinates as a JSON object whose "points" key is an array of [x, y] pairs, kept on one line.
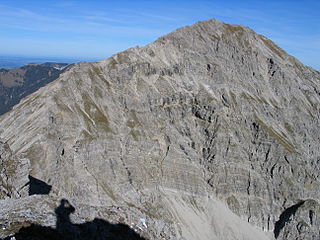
{"points": [[97, 29]]}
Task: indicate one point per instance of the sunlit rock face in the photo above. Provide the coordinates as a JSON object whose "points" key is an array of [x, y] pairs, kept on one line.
{"points": [[13, 174], [210, 132]]}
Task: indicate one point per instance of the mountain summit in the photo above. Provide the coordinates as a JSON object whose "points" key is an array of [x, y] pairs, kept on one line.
{"points": [[210, 132]]}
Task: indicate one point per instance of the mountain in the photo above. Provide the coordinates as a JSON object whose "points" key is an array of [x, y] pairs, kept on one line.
{"points": [[210, 132], [17, 83]]}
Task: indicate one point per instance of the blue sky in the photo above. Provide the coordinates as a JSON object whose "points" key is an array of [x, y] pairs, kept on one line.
{"points": [[97, 29]]}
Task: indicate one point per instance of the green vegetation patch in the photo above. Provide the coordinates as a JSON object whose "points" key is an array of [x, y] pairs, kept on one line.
{"points": [[108, 191], [233, 28], [288, 127], [254, 98], [133, 120], [135, 134], [86, 136], [152, 211], [95, 113], [278, 137], [233, 204], [123, 57], [96, 73], [112, 63], [273, 47], [247, 96]]}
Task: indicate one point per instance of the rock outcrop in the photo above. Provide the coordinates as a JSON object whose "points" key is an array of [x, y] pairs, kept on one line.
{"points": [[13, 174], [210, 132]]}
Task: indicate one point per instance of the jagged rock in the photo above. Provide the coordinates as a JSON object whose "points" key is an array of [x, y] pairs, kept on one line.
{"points": [[210, 117], [13, 173], [46, 217], [300, 222]]}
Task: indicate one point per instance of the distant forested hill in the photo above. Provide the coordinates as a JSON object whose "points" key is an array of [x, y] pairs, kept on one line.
{"points": [[19, 82]]}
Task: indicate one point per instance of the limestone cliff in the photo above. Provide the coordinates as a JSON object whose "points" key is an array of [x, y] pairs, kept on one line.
{"points": [[13, 174], [210, 132]]}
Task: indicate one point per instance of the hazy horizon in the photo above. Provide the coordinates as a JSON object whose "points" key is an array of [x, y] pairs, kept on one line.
{"points": [[15, 61]]}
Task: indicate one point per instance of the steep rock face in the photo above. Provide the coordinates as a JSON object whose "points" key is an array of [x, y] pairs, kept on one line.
{"points": [[13, 174], [210, 111]]}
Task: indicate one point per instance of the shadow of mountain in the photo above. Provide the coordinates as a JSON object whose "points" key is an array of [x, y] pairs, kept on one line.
{"points": [[65, 229]]}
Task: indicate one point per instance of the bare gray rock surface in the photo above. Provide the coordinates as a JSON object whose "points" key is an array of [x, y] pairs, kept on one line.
{"points": [[208, 118], [13, 174]]}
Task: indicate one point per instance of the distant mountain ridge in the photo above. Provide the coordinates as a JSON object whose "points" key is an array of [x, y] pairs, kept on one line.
{"points": [[17, 61], [19, 82]]}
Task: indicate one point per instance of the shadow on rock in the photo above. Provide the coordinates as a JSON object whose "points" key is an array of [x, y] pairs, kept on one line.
{"points": [[65, 229], [36, 186]]}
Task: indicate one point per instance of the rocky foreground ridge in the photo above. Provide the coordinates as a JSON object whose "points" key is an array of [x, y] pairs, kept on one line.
{"points": [[210, 132]]}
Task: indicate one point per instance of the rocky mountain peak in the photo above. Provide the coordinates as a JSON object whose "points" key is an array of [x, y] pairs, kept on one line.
{"points": [[209, 132]]}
